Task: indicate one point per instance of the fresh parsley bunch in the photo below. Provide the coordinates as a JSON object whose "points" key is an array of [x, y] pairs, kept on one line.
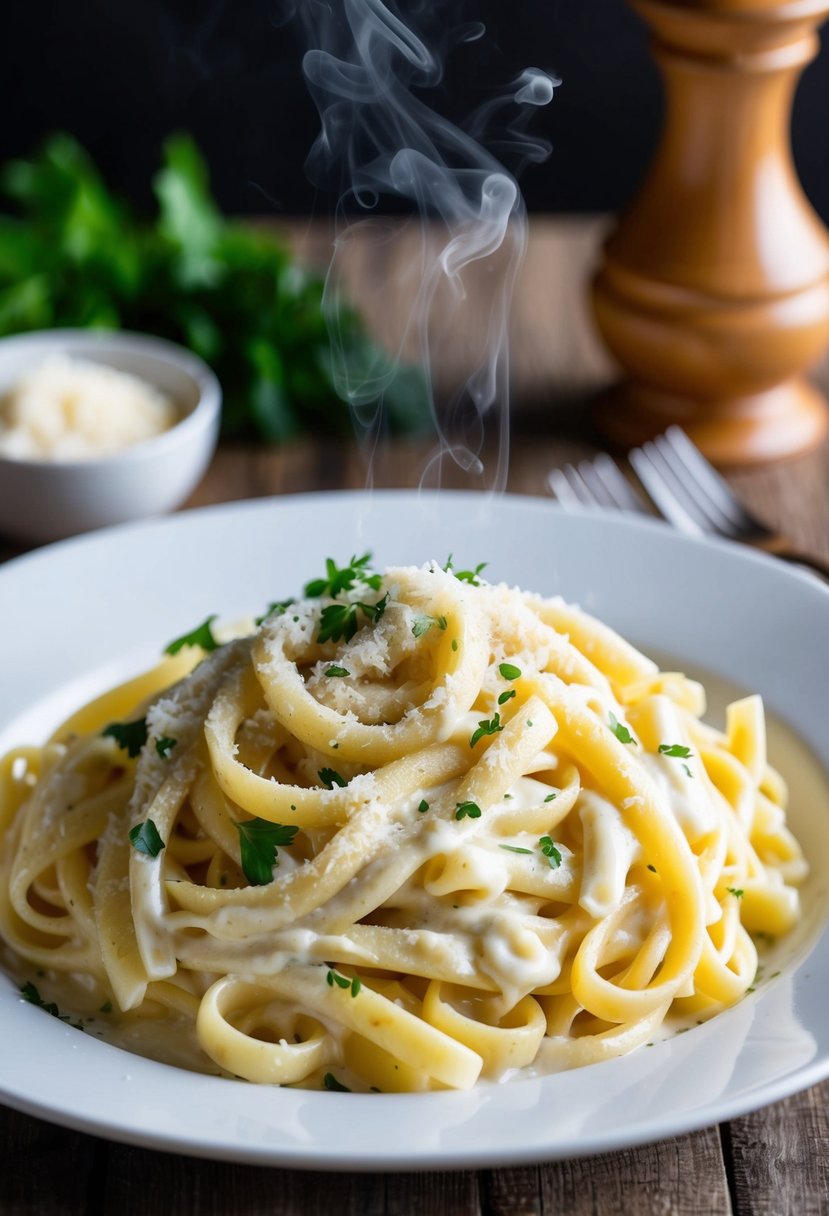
{"points": [[75, 255]]}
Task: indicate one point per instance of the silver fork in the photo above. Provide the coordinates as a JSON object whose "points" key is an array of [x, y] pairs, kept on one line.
{"points": [[595, 483], [686, 490], [693, 496]]}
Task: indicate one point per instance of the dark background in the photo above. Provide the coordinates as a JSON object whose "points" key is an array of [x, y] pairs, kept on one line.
{"points": [[121, 74]]}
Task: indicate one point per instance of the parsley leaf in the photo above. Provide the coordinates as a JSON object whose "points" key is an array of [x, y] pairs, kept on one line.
{"points": [[165, 745], [331, 1082], [675, 749], [277, 608], [259, 840], [330, 777], [130, 736], [467, 809], [505, 696], [465, 576], [343, 579], [514, 848], [424, 806], [621, 732], [486, 727], [422, 624], [509, 671], [550, 852], [551, 797], [334, 670], [333, 977], [737, 892], [30, 993], [202, 636], [339, 621], [145, 838]]}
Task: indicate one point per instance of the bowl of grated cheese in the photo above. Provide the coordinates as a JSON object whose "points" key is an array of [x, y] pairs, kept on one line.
{"points": [[99, 428]]}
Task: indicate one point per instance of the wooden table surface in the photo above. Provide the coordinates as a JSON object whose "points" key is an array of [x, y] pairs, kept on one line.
{"points": [[772, 1162]]}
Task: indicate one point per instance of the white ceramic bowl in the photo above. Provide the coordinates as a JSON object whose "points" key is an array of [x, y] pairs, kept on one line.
{"points": [[49, 500]]}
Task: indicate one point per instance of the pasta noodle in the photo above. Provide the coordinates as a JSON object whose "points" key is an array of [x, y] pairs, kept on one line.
{"points": [[414, 831]]}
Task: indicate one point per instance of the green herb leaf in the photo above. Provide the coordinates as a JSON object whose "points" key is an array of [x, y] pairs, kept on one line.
{"points": [[737, 892], [330, 777], [469, 810], [333, 977], [551, 797], [356, 985], [276, 608], [487, 727], [675, 749], [550, 851], [509, 671], [30, 993], [345, 578], [202, 636], [145, 838], [331, 1082], [422, 624], [339, 621], [165, 745], [130, 736], [505, 696], [259, 840], [424, 806], [652, 868], [621, 732], [465, 576], [106, 1007], [454, 644], [339, 672], [514, 848]]}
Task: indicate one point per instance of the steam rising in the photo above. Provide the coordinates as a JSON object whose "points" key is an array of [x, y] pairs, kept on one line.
{"points": [[379, 138]]}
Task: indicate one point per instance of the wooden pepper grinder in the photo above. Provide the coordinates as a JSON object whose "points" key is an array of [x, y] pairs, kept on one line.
{"points": [[714, 290]]}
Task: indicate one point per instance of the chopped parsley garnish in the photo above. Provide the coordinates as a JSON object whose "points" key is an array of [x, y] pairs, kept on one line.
{"points": [[339, 672], [505, 696], [454, 643], [550, 852], [678, 750], [465, 576], [330, 777], [259, 840], [145, 838], [487, 727], [276, 608], [424, 806], [331, 1082], [130, 736], [202, 636], [652, 868], [620, 731], [106, 1007], [469, 810], [339, 621], [422, 624], [514, 848], [343, 579], [509, 671], [737, 892], [30, 993], [551, 797], [687, 770], [165, 745], [342, 981]]}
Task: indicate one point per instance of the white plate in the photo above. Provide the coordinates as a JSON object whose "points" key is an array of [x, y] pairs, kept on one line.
{"points": [[76, 617]]}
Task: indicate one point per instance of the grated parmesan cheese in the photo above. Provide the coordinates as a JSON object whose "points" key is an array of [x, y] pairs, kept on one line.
{"points": [[72, 409]]}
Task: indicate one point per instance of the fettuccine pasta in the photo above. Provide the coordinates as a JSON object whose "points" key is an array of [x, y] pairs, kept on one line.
{"points": [[414, 831]]}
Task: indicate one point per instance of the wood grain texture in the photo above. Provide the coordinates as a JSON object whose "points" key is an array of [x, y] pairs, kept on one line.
{"points": [[780, 1157]]}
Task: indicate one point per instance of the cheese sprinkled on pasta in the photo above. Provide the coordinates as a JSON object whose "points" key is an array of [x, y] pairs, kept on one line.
{"points": [[470, 831]]}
